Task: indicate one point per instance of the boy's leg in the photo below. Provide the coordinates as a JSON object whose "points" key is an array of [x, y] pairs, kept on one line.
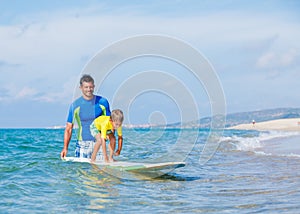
{"points": [[112, 145], [97, 147]]}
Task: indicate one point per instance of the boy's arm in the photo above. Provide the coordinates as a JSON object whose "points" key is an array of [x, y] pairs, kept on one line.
{"points": [[104, 149], [120, 144]]}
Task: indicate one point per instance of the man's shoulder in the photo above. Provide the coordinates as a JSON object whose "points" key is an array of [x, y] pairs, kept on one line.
{"points": [[78, 101], [100, 99]]}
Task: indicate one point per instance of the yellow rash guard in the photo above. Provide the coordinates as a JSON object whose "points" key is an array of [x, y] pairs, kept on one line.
{"points": [[103, 124]]}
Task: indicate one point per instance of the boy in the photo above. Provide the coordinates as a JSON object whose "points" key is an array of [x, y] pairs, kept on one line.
{"points": [[101, 127]]}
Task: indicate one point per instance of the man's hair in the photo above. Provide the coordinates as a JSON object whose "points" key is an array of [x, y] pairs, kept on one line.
{"points": [[86, 78], [117, 115]]}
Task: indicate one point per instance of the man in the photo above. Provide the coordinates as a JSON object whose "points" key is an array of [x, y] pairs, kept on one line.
{"points": [[84, 110]]}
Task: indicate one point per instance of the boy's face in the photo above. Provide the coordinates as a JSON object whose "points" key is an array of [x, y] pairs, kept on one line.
{"points": [[116, 124]]}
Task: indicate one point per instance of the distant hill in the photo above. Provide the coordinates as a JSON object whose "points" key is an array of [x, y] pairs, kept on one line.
{"points": [[246, 117], [263, 115]]}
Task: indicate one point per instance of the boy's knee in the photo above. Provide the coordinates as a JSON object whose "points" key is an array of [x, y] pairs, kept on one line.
{"points": [[111, 137]]}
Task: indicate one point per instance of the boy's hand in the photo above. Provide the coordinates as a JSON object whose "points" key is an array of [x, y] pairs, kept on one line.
{"points": [[117, 153]]}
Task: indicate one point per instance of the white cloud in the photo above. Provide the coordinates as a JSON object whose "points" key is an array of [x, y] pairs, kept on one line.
{"points": [[11, 92], [26, 92], [265, 60], [62, 94], [289, 57], [277, 59], [68, 35], [49, 48]]}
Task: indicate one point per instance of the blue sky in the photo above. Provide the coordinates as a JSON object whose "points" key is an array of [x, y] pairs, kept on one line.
{"points": [[44, 46]]}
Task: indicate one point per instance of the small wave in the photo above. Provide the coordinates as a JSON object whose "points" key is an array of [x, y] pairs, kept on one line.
{"points": [[242, 143], [276, 134], [291, 155], [271, 143]]}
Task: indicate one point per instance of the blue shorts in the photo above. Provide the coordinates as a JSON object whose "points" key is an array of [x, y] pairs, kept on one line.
{"points": [[84, 149]]}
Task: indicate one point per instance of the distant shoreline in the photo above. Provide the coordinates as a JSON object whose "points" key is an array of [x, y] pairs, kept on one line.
{"points": [[292, 124]]}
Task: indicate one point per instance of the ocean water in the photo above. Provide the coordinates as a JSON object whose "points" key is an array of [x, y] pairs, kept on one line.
{"points": [[251, 172]]}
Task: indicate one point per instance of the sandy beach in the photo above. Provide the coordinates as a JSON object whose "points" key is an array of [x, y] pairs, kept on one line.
{"points": [[292, 124]]}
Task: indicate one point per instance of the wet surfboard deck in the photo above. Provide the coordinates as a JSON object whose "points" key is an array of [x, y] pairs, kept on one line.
{"points": [[130, 166]]}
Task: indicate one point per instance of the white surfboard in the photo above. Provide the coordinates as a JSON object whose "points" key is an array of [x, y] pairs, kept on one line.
{"points": [[130, 166]]}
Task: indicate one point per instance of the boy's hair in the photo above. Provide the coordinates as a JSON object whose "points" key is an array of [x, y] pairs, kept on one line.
{"points": [[117, 115], [86, 78]]}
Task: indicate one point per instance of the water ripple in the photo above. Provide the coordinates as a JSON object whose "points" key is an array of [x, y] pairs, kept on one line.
{"points": [[33, 179]]}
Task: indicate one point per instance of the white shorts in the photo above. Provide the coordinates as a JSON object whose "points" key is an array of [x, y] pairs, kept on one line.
{"points": [[84, 149]]}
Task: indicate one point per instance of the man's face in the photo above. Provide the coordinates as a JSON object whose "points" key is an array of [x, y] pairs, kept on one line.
{"points": [[87, 89]]}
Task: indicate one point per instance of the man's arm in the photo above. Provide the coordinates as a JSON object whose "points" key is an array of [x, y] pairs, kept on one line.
{"points": [[67, 138]]}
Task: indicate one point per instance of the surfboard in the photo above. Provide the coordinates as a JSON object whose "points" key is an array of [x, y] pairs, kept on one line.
{"points": [[131, 166]]}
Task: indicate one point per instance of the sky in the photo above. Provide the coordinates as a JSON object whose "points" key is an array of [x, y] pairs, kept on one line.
{"points": [[252, 46]]}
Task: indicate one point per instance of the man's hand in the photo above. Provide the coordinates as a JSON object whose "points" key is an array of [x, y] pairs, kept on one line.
{"points": [[63, 153]]}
